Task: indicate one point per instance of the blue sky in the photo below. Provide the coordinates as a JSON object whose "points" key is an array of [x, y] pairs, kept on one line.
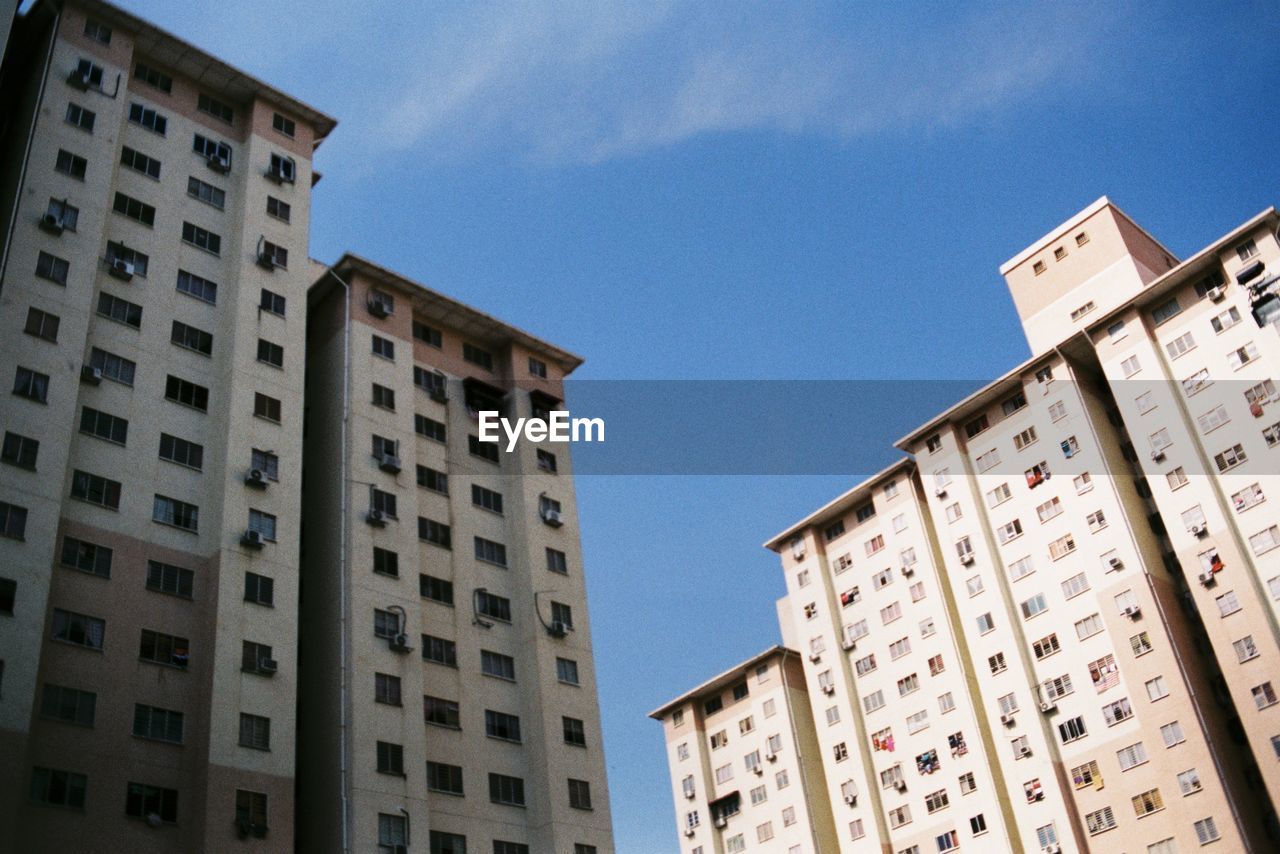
{"points": [[748, 191]]}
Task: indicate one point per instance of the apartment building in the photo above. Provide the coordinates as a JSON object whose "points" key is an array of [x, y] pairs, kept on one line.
{"points": [[447, 678], [745, 762], [1093, 546], [892, 676], [154, 288]]}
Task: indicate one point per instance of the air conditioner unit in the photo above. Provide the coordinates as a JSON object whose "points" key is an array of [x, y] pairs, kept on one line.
{"points": [[268, 665], [689, 831], [1115, 563], [218, 163], [280, 176], [770, 755], [378, 307], [1051, 848], [252, 539], [438, 394], [815, 657], [242, 828], [266, 260], [966, 558], [721, 821], [78, 79], [1047, 705], [1157, 455], [376, 518], [1206, 577], [552, 518], [1196, 530], [154, 819], [941, 492], [120, 269], [1006, 718], [399, 643], [91, 375], [390, 463], [558, 629], [758, 769], [828, 689], [849, 645], [52, 223], [908, 571], [850, 799], [1024, 752], [1216, 293], [1131, 611], [690, 794], [256, 478], [900, 784]]}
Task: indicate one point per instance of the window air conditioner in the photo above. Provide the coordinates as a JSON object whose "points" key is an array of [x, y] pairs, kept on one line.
{"points": [[52, 223], [399, 643], [940, 492], [770, 755], [552, 518], [1006, 718], [690, 794], [78, 79], [1047, 706], [828, 689], [1024, 752], [438, 394], [850, 799], [218, 163], [1216, 293], [120, 269], [900, 784], [1197, 529], [91, 375], [389, 463], [266, 260], [758, 769], [815, 657], [966, 558], [256, 478], [377, 518], [1051, 848], [268, 665], [378, 307], [252, 539], [1131, 611], [849, 645], [1157, 455], [907, 571], [689, 831], [721, 821], [1115, 563], [558, 629], [1206, 577]]}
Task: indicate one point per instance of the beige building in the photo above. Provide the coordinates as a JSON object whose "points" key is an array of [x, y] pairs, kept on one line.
{"points": [[745, 766], [1088, 539], [446, 673], [154, 290]]}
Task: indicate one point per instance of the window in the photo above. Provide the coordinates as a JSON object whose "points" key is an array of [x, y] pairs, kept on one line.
{"points": [[1033, 606], [1206, 830], [1057, 410], [1225, 320], [918, 721], [501, 725], [191, 338], [1171, 734], [935, 801], [107, 427], [1265, 540], [282, 169], [873, 701], [274, 253], [143, 801], [139, 162], [1070, 447], [490, 552], [1181, 345], [170, 579], [1100, 821], [259, 589], [71, 165], [212, 106], [874, 544], [446, 843], [477, 356], [1075, 585], [567, 671], [483, 450], [1062, 547], [997, 663], [186, 393], [899, 648], [890, 612], [207, 193], [52, 268], [580, 794], [1264, 695], [985, 623], [256, 658], [384, 347], [201, 238], [265, 462], [58, 788], [574, 731], [272, 303], [1072, 729], [497, 664], [1114, 713], [486, 499], [434, 532], [384, 397], [493, 606], [968, 784], [283, 125], [989, 460], [1021, 568], [1049, 510], [266, 408], [435, 589], [195, 286], [1228, 603], [1189, 782], [153, 78], [86, 557], [427, 334], [68, 705], [436, 481], [390, 757], [95, 489], [160, 648], [157, 724], [1242, 356], [898, 816], [438, 711], [429, 428], [1038, 267], [251, 809], [182, 452], [1046, 647], [833, 530]]}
